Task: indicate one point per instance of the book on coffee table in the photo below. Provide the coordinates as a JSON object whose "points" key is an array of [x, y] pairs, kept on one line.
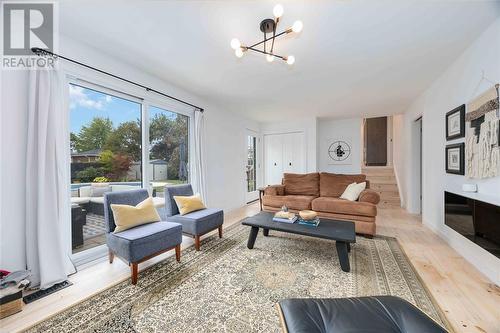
{"points": [[285, 220], [312, 223]]}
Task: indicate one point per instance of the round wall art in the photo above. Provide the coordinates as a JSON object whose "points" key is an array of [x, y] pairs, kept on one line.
{"points": [[339, 151]]}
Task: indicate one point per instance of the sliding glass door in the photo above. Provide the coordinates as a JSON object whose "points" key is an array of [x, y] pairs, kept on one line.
{"points": [[105, 141], [119, 142]]}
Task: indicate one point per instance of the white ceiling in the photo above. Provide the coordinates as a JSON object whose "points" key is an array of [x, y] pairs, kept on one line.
{"points": [[352, 58]]}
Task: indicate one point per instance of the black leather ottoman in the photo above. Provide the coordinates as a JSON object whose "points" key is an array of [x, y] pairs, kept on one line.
{"points": [[387, 314]]}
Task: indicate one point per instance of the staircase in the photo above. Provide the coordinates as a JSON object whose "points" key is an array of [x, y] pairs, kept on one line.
{"points": [[383, 181]]}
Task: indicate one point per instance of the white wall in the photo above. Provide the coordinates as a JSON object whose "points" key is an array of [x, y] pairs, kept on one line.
{"points": [[307, 126], [225, 146], [457, 85], [329, 129], [398, 154]]}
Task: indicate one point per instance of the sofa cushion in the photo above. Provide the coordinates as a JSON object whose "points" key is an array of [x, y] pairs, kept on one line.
{"points": [[341, 206], [273, 200], [98, 191], [333, 185], [299, 202], [85, 191], [139, 242], [119, 187], [80, 201], [295, 202], [200, 221], [301, 184], [97, 200]]}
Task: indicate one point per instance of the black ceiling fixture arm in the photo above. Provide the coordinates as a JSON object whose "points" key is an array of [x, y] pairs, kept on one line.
{"points": [[263, 52], [267, 39], [42, 52]]}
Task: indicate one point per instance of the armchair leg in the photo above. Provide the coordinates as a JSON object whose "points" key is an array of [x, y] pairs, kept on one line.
{"points": [[220, 231], [134, 272], [178, 252], [197, 242], [111, 256]]}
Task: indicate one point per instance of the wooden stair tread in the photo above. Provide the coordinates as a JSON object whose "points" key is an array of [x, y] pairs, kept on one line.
{"points": [[383, 181]]}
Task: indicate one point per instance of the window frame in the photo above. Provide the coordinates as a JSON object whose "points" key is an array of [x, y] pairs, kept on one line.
{"points": [[99, 82]]}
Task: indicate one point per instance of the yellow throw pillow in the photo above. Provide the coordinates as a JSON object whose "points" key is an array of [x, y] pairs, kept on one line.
{"points": [[188, 204], [127, 216]]}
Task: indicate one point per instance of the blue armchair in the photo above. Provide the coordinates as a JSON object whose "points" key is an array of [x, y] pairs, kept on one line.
{"points": [[194, 224], [138, 244]]}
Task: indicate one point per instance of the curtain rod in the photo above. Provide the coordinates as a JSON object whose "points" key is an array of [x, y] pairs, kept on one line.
{"points": [[42, 52]]}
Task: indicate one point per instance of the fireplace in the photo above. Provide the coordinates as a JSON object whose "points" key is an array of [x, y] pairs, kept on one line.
{"points": [[476, 220]]}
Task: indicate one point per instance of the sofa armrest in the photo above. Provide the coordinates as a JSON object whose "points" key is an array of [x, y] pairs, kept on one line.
{"points": [[274, 190], [369, 196]]}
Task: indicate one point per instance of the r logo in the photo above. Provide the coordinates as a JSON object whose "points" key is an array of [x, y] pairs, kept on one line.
{"points": [[27, 25]]}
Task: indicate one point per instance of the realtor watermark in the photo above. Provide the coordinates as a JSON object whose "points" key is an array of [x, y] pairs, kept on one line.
{"points": [[27, 25]]}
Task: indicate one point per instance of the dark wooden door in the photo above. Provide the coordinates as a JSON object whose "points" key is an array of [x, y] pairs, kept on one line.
{"points": [[376, 141]]}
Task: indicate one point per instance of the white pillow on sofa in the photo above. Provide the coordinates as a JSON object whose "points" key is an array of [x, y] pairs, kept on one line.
{"points": [[353, 191]]}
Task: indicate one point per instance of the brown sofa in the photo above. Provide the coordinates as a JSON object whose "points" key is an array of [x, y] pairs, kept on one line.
{"points": [[321, 192]]}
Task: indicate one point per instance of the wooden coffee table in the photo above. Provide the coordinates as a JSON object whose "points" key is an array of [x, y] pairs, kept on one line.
{"points": [[342, 232]]}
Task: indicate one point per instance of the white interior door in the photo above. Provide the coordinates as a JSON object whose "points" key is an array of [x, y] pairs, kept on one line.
{"points": [[298, 153], [273, 147], [283, 153], [293, 152], [288, 152]]}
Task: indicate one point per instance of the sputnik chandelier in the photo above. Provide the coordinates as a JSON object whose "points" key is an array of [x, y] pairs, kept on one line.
{"points": [[268, 26]]}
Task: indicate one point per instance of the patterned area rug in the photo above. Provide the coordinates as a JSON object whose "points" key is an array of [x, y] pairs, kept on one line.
{"points": [[94, 226], [229, 288]]}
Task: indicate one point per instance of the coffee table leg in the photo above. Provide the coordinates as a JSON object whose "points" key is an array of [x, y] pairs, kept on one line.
{"points": [[343, 256], [265, 232], [253, 235]]}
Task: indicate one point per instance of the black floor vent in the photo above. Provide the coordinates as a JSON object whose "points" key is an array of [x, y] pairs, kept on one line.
{"points": [[46, 292]]}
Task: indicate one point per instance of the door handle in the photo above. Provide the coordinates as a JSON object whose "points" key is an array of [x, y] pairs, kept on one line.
{"points": [[274, 163], [290, 163]]}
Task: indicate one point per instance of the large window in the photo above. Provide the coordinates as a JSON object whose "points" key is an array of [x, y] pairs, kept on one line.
{"points": [[109, 153], [168, 149], [107, 147], [106, 151]]}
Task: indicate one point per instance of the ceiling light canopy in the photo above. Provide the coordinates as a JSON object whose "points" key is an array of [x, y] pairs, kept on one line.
{"points": [[268, 26]]}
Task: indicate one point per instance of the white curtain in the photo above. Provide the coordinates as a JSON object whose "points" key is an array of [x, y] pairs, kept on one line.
{"points": [[198, 178], [47, 179]]}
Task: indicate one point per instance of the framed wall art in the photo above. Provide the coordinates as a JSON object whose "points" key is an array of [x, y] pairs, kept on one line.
{"points": [[455, 158], [340, 151], [455, 123]]}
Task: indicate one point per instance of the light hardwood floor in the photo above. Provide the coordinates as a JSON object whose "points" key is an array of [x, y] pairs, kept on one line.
{"points": [[469, 300]]}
